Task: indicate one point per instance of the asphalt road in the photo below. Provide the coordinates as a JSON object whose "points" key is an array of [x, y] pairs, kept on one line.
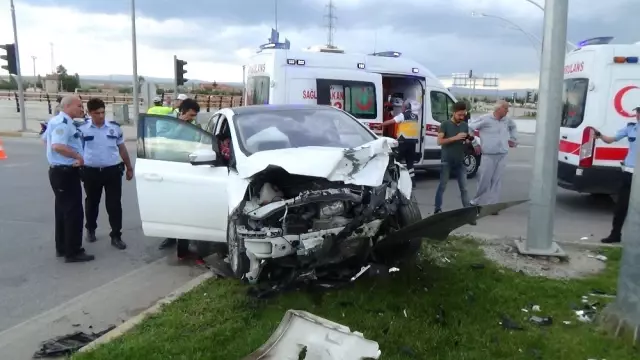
{"points": [[33, 280]]}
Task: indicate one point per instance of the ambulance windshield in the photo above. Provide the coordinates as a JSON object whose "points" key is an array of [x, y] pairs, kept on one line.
{"points": [[292, 128], [574, 98]]}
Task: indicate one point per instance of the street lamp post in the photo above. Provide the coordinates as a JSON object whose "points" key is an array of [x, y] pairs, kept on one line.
{"points": [[532, 38], [34, 71], [23, 117], [574, 46], [134, 51]]}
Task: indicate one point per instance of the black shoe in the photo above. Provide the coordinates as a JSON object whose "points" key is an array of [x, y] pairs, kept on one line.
{"points": [[437, 211], [91, 236], [167, 243], [79, 257], [62, 253], [495, 213], [117, 243], [611, 239]]}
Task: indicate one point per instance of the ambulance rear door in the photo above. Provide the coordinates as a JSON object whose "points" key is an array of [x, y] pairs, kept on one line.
{"points": [[580, 109]]}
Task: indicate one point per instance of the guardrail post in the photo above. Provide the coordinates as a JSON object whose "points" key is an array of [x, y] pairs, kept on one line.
{"points": [[17, 102], [209, 103], [49, 104], [220, 103]]}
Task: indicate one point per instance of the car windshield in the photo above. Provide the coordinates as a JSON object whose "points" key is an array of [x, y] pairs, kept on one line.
{"points": [[292, 128]]}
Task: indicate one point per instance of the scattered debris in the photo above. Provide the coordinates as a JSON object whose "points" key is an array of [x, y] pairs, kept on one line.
{"points": [[393, 269], [584, 238], [566, 322], [67, 344], [405, 312], [509, 324], [535, 308], [315, 338], [541, 321], [585, 316], [440, 316], [362, 271], [478, 266], [598, 257]]}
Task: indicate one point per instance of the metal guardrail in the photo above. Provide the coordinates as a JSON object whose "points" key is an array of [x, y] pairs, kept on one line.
{"points": [[208, 101]]}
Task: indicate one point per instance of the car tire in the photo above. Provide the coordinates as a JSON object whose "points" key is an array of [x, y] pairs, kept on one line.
{"points": [[405, 251], [471, 164], [238, 260]]}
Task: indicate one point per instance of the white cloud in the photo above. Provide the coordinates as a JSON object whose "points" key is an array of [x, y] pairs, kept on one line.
{"points": [[100, 44]]}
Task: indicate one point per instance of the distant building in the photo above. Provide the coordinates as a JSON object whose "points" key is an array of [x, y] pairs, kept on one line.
{"points": [[51, 83]]}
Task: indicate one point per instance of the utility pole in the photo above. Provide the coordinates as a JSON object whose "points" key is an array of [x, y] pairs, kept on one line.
{"points": [[35, 78], [624, 312], [542, 195], [53, 63], [134, 51], [23, 116], [331, 24], [175, 77]]}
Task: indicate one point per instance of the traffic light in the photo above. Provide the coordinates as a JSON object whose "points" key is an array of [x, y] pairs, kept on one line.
{"points": [[12, 64], [530, 96], [180, 71]]}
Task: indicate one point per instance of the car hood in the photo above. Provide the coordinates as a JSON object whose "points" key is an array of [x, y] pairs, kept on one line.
{"points": [[364, 165]]}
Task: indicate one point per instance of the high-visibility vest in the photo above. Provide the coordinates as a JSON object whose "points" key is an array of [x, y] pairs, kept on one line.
{"points": [[409, 129], [159, 110]]}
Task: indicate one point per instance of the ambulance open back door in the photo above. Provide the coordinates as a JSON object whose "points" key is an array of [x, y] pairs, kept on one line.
{"points": [[601, 87]]}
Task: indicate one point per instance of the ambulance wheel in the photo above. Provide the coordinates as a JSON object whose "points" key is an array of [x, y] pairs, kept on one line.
{"points": [[471, 164]]}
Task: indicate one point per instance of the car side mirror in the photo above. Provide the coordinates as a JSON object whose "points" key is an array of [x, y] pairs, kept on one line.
{"points": [[203, 157]]}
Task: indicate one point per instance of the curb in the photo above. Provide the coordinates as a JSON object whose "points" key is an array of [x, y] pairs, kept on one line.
{"points": [[18, 133], [131, 323], [511, 239]]}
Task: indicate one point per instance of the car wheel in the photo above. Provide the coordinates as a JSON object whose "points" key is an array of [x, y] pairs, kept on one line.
{"points": [[402, 252], [471, 164], [238, 260]]}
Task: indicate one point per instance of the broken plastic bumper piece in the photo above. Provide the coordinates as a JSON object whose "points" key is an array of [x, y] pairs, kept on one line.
{"points": [[302, 335]]}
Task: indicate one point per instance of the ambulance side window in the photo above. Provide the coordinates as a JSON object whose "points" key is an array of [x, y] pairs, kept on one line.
{"points": [[358, 98], [574, 99], [258, 90], [441, 106]]}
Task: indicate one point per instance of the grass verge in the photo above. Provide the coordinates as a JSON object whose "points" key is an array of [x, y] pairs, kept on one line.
{"points": [[218, 321]]}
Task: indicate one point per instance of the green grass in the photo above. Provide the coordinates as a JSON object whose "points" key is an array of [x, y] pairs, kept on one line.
{"points": [[218, 321]]}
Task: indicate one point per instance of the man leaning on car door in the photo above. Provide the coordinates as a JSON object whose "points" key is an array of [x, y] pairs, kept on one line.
{"points": [[188, 112]]}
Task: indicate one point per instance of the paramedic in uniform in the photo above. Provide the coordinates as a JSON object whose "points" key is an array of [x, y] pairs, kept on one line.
{"points": [[105, 161], [178, 102], [64, 154], [408, 135], [622, 205], [497, 133]]}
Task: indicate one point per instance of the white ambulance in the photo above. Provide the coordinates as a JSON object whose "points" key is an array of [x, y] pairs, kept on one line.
{"points": [[601, 89], [356, 83]]}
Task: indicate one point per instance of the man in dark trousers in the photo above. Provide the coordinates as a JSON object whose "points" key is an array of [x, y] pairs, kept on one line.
{"points": [[630, 131], [64, 154], [105, 160], [408, 134], [454, 137]]}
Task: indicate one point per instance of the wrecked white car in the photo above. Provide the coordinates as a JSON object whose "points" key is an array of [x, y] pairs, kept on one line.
{"points": [[293, 186], [292, 189]]}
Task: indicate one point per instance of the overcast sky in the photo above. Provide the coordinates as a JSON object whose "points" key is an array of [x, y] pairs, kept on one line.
{"points": [[216, 36]]}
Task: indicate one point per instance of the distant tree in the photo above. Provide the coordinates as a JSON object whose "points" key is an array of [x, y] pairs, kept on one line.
{"points": [[68, 83], [39, 82]]}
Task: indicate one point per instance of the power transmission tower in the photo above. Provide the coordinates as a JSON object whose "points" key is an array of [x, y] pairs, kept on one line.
{"points": [[331, 23]]}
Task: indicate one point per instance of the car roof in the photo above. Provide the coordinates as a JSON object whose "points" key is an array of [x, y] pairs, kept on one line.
{"points": [[253, 109]]}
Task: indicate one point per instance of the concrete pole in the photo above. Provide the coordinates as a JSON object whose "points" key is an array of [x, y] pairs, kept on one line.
{"points": [[175, 77], [23, 111], [134, 51], [543, 190]]}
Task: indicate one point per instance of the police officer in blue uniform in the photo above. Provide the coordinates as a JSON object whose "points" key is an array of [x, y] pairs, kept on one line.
{"points": [[64, 154], [105, 161], [630, 131]]}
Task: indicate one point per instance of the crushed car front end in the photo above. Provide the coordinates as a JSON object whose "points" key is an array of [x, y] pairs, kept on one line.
{"points": [[304, 222]]}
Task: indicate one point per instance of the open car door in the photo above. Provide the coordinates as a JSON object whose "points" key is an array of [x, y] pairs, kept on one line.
{"points": [[181, 185]]}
